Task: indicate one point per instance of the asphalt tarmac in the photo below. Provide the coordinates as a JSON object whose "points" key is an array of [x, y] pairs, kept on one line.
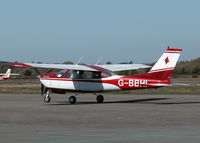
{"points": [[121, 118]]}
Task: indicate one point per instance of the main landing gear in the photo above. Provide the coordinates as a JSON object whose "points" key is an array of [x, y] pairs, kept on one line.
{"points": [[100, 98], [72, 99]]}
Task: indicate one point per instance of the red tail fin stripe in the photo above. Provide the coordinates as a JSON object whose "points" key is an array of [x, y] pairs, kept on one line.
{"points": [[159, 70], [174, 50]]}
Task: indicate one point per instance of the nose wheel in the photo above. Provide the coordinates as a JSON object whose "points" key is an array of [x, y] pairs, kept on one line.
{"points": [[72, 99], [100, 98], [47, 97]]}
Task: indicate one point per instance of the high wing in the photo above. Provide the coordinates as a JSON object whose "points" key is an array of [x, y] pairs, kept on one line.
{"points": [[123, 67], [53, 66], [113, 67]]}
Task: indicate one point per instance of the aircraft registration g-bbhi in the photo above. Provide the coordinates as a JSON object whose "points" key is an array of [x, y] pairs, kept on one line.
{"points": [[100, 78]]}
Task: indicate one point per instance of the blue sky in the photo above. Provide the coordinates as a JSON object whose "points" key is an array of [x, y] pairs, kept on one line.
{"points": [[120, 30]]}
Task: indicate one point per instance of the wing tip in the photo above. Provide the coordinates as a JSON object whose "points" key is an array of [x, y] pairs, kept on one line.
{"points": [[22, 65]]}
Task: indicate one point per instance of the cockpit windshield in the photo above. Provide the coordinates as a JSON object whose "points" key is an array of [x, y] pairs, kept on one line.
{"points": [[60, 73]]}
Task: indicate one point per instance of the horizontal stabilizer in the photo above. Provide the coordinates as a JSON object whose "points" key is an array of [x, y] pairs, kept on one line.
{"points": [[180, 84], [168, 85]]}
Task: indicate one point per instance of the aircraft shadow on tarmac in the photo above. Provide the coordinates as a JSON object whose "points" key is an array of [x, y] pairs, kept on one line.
{"points": [[171, 103], [141, 101]]}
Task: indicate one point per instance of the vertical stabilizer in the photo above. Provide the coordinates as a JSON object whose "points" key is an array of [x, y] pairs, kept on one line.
{"points": [[164, 67]]}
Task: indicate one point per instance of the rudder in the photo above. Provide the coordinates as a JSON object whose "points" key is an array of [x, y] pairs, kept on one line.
{"points": [[164, 67]]}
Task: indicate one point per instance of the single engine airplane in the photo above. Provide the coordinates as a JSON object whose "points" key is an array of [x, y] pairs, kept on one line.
{"points": [[100, 78]]}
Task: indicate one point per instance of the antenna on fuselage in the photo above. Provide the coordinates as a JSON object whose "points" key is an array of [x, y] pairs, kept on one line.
{"points": [[99, 60], [79, 60]]}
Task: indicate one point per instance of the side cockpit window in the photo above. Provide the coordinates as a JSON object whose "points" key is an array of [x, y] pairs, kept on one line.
{"points": [[74, 74]]}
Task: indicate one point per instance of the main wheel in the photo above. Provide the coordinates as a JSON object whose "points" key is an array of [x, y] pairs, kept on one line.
{"points": [[100, 98], [47, 99], [72, 99]]}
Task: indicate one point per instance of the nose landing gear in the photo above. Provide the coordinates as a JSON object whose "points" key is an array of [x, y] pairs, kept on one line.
{"points": [[47, 97]]}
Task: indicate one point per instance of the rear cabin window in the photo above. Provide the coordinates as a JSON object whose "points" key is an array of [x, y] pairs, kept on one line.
{"points": [[107, 73]]}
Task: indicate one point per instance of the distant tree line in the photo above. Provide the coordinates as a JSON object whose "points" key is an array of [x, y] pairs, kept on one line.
{"points": [[188, 67]]}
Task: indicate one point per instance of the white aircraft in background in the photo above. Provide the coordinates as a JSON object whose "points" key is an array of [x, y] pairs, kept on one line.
{"points": [[6, 75]]}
